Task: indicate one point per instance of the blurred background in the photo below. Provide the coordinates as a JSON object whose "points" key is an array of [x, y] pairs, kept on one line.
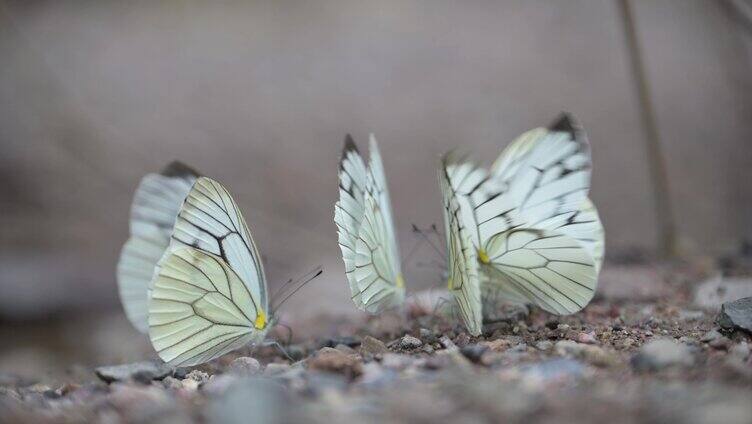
{"points": [[259, 95]]}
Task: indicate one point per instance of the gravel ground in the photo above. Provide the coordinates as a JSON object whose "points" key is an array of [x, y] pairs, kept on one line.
{"points": [[644, 351]]}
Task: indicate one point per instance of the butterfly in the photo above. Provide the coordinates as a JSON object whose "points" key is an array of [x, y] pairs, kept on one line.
{"points": [[205, 294], [155, 206], [531, 229], [365, 229], [209, 293]]}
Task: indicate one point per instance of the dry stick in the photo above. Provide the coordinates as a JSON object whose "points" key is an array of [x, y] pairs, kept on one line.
{"points": [[656, 161]]}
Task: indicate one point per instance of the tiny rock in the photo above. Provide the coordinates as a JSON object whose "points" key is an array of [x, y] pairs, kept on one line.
{"points": [[245, 365], [544, 345], [197, 376], [275, 368], [409, 342], [333, 360], [711, 335], [663, 353], [587, 338], [592, 354], [447, 343], [172, 383], [498, 345], [190, 384], [740, 351], [474, 352], [141, 370], [373, 346]]}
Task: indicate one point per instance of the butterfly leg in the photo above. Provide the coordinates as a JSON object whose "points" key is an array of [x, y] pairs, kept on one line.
{"points": [[274, 343]]}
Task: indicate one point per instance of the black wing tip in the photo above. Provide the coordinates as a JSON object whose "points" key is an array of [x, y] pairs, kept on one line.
{"points": [[349, 145], [178, 169], [565, 122]]}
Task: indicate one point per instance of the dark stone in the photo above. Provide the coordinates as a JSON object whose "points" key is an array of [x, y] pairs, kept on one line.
{"points": [[474, 352], [736, 315], [143, 372], [348, 341]]}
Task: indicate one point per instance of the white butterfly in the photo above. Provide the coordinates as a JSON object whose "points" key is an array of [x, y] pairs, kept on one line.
{"points": [[153, 212], [209, 293], [462, 259], [536, 235], [365, 228]]}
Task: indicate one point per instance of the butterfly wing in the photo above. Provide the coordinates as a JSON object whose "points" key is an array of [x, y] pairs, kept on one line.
{"points": [[348, 211], [462, 260], [212, 230], [200, 308], [585, 226], [545, 173], [366, 228], [153, 211], [548, 268], [377, 275]]}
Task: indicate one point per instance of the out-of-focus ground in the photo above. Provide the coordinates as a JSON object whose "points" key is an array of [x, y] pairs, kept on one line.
{"points": [[648, 348]]}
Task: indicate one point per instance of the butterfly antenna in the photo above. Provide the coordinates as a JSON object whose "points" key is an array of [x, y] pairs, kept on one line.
{"points": [[424, 236], [439, 235], [411, 252], [281, 288], [318, 271]]}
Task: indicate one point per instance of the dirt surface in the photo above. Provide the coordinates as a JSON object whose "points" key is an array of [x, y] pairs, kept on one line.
{"points": [[643, 350]]}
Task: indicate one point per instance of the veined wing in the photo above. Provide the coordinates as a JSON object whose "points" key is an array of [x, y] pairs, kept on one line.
{"points": [[378, 279], [153, 212], [210, 221], [366, 232], [201, 309], [545, 172], [376, 186], [485, 210], [348, 211], [548, 268], [462, 260], [585, 226]]}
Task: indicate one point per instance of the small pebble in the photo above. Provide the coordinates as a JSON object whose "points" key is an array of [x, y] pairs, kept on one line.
{"points": [[275, 368], [462, 339], [190, 384], [409, 342], [544, 345], [335, 361], [663, 353], [740, 351], [474, 352], [587, 338], [447, 343], [197, 376], [245, 365], [172, 383], [711, 335], [146, 370], [373, 346]]}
